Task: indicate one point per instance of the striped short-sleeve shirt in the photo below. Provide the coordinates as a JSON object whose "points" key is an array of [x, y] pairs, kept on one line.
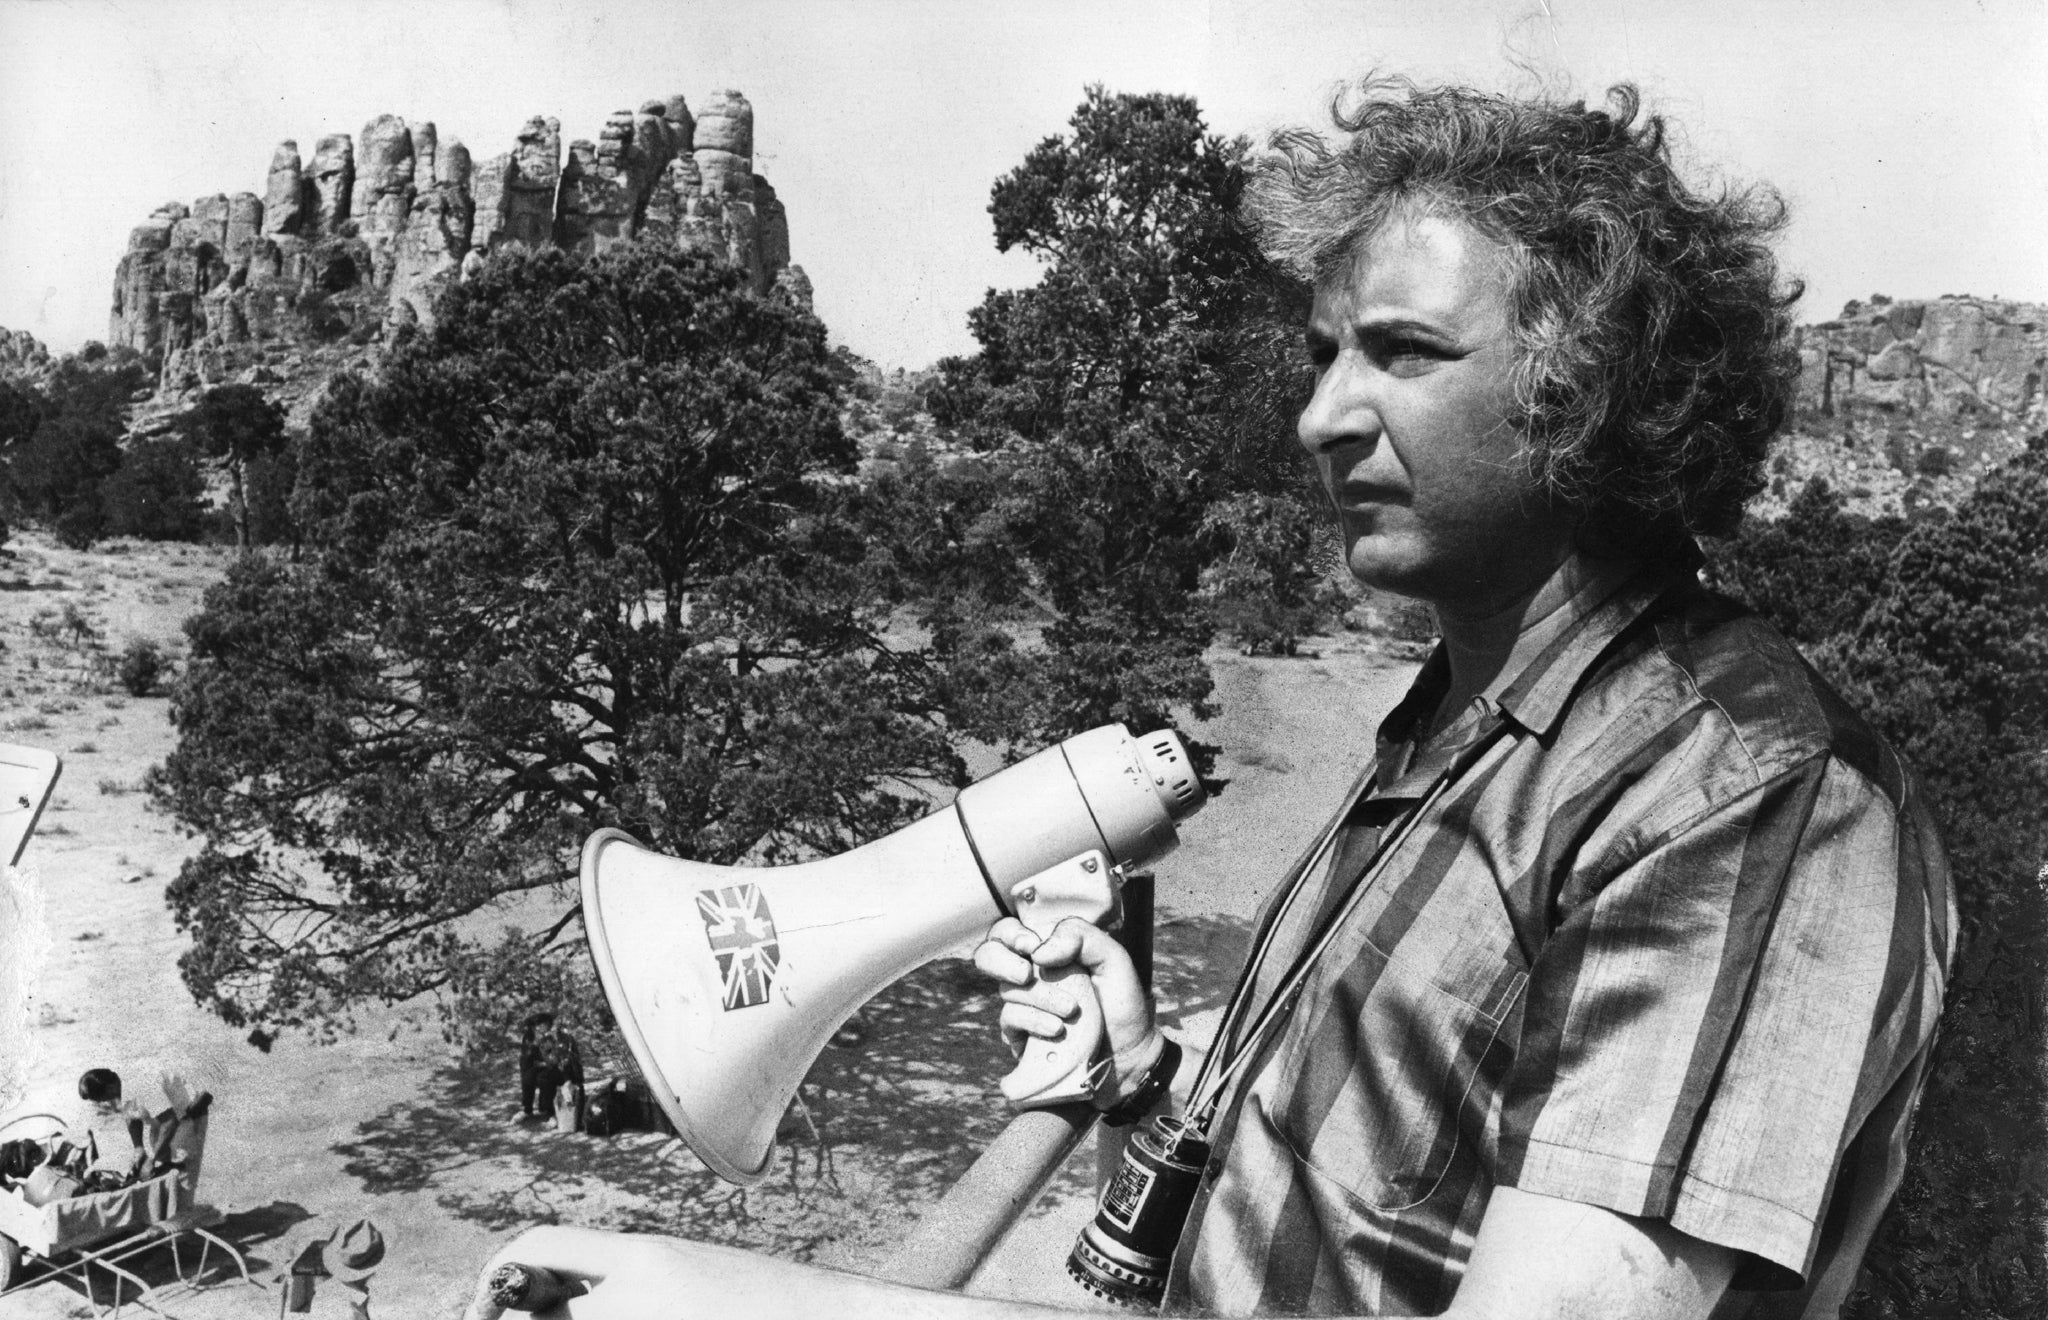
{"points": [[1671, 938]]}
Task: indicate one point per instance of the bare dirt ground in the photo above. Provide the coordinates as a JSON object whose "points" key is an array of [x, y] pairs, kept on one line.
{"points": [[390, 1124]]}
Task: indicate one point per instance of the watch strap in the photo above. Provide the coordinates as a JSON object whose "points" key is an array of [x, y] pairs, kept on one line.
{"points": [[1142, 1101]]}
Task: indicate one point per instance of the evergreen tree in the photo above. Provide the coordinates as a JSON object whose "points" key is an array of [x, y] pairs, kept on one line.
{"points": [[236, 426], [54, 474], [1115, 399], [158, 493], [580, 556]]}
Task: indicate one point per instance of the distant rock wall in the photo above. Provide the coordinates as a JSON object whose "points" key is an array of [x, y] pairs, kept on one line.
{"points": [[1903, 404], [1946, 356], [363, 236]]}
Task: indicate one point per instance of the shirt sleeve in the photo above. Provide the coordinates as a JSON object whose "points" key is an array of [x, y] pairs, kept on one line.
{"points": [[1721, 1006]]}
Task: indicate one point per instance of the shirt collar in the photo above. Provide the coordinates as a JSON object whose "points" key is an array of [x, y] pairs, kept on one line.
{"points": [[1536, 698]]}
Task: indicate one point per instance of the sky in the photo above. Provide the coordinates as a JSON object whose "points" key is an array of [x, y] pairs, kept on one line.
{"points": [[1909, 136]]}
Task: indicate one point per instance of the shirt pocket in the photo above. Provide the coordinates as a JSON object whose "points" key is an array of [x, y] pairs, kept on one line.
{"points": [[1390, 1064]]}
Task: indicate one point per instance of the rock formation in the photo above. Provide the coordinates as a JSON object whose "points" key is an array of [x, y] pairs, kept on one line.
{"points": [[22, 356], [1946, 356], [1903, 404], [366, 234]]}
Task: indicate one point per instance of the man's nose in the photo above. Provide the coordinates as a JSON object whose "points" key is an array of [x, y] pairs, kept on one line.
{"points": [[1340, 411]]}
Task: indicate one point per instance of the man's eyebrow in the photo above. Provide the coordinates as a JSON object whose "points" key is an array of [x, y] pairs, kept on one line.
{"points": [[1402, 323]]}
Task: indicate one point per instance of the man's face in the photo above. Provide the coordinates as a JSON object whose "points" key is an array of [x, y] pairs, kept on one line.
{"points": [[1410, 425]]}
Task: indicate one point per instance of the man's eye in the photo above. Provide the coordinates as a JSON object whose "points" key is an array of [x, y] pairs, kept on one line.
{"points": [[1410, 356], [1321, 355]]}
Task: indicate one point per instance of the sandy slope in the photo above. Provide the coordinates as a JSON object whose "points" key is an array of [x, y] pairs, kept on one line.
{"points": [[387, 1123]]}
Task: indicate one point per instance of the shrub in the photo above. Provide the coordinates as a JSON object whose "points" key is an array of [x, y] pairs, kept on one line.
{"points": [[77, 627], [81, 523], [144, 667]]}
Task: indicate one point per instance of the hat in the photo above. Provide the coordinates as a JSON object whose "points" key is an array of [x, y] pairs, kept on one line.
{"points": [[358, 1250]]}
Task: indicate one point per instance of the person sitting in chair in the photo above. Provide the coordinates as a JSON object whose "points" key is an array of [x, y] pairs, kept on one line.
{"points": [[112, 1140]]}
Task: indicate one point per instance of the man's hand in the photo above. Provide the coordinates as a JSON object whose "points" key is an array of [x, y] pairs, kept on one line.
{"points": [[1032, 1008]]}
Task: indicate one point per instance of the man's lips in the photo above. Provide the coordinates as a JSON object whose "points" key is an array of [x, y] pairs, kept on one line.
{"points": [[1365, 495]]}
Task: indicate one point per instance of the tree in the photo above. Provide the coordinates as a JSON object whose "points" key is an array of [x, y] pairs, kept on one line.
{"points": [[1275, 583], [21, 411], [158, 493], [1814, 573], [580, 556], [1113, 396], [268, 491], [55, 474], [236, 426]]}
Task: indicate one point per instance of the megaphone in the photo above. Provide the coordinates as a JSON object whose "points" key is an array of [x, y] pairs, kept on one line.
{"points": [[726, 982]]}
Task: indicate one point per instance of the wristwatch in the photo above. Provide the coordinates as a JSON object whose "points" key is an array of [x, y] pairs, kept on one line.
{"points": [[1140, 1102]]}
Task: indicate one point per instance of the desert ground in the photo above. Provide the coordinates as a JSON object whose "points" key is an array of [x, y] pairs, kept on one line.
{"points": [[389, 1123]]}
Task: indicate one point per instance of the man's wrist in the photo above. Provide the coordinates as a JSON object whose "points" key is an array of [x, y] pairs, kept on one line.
{"points": [[1141, 1088]]}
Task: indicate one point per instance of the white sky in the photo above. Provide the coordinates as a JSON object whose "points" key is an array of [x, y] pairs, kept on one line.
{"points": [[1908, 134]]}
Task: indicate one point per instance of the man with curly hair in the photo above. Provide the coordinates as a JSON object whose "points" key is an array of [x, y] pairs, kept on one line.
{"points": [[1612, 990]]}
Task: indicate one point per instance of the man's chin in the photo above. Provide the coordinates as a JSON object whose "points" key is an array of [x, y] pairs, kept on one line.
{"points": [[1373, 566]]}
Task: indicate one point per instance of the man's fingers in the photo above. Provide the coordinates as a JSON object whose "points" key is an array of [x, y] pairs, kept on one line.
{"points": [[1020, 1020], [1052, 1000], [1078, 941], [1001, 963], [1005, 953], [1014, 934]]}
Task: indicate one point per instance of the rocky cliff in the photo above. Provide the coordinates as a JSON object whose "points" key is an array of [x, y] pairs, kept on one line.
{"points": [[1948, 357], [360, 238], [1904, 403]]}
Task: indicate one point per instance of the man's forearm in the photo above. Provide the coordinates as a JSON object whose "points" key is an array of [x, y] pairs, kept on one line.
{"points": [[1594, 1263], [640, 1277]]}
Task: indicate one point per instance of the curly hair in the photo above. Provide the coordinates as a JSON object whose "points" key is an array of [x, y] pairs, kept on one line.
{"points": [[1655, 338]]}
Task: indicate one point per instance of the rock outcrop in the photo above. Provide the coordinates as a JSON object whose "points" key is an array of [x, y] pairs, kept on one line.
{"points": [[365, 235], [1904, 404], [1948, 356], [22, 356]]}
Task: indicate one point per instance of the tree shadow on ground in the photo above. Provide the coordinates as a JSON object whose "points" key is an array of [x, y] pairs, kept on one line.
{"points": [[250, 1229], [884, 1125]]}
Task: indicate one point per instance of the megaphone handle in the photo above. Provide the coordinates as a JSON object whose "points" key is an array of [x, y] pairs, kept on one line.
{"points": [[1055, 1072]]}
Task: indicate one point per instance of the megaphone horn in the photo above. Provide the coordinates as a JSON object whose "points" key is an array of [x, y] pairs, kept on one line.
{"points": [[727, 981]]}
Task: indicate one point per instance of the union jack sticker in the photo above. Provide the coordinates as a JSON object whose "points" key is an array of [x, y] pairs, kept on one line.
{"points": [[742, 936]]}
